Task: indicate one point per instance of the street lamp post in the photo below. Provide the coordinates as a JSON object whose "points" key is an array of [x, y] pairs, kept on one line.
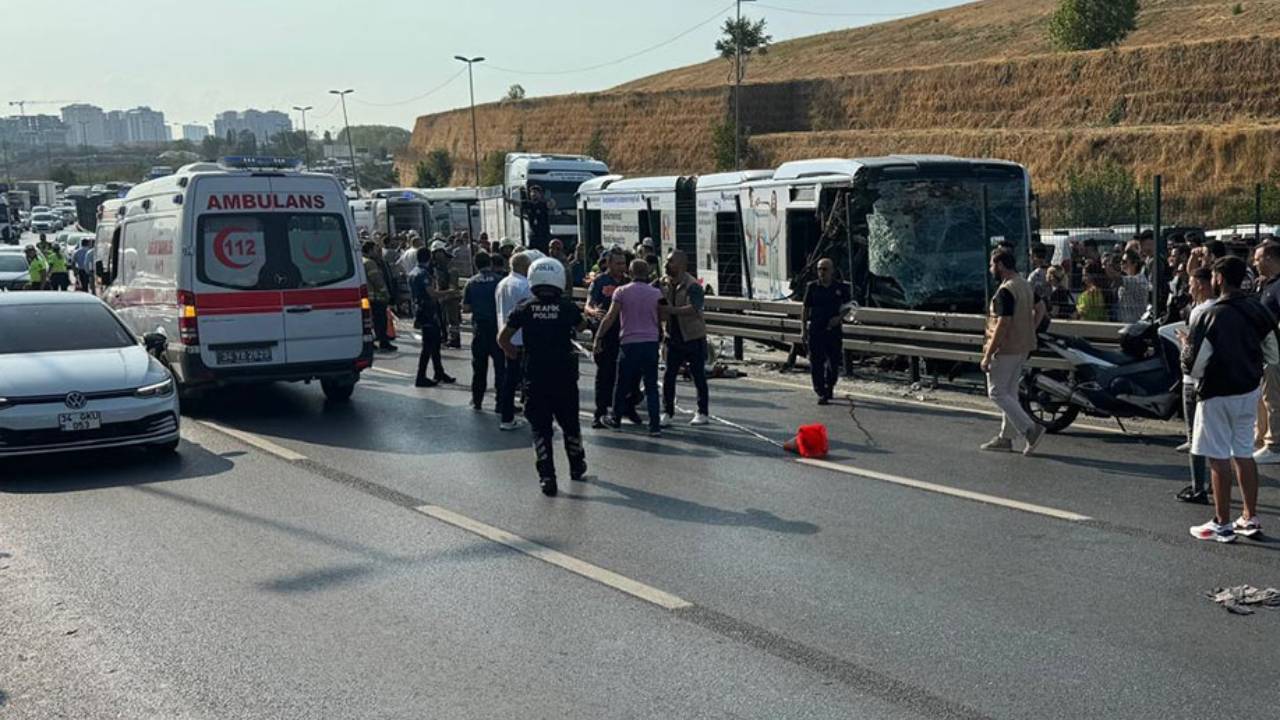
{"points": [[351, 148], [737, 91], [475, 141], [306, 139]]}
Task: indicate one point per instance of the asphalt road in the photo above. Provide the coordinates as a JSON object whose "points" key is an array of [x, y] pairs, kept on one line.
{"points": [[393, 558]]}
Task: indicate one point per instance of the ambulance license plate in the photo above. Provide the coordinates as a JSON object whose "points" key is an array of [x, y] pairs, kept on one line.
{"points": [[244, 356], [77, 422]]}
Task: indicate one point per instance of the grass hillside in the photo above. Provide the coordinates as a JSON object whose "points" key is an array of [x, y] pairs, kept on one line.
{"points": [[1190, 95], [987, 30]]}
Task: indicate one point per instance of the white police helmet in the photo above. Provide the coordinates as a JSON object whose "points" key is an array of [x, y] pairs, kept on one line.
{"points": [[546, 272]]}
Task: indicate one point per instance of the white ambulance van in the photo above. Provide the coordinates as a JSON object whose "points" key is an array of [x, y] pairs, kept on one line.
{"points": [[252, 271]]}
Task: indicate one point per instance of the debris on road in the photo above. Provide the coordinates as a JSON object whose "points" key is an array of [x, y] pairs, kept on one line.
{"points": [[1241, 598]]}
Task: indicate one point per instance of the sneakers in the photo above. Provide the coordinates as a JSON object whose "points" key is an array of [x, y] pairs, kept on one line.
{"points": [[515, 424], [1034, 436], [666, 420], [1189, 494], [387, 348], [1213, 531], [824, 400], [1184, 447], [1247, 528], [612, 422], [597, 422], [548, 486], [700, 419], [477, 407], [997, 444], [1266, 456], [424, 382], [446, 379]]}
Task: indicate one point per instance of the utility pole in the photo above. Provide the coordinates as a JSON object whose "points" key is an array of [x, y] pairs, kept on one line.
{"points": [[306, 139], [475, 142], [351, 148], [737, 90]]}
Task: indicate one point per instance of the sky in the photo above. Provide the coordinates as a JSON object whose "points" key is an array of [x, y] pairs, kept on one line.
{"points": [[193, 60]]}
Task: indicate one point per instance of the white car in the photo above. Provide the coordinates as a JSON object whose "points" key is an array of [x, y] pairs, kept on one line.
{"points": [[73, 377], [46, 222], [13, 269]]}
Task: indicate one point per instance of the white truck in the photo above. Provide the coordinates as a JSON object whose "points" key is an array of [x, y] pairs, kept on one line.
{"points": [[42, 192]]}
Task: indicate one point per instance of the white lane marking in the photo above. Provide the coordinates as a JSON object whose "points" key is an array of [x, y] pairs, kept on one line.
{"points": [[920, 403], [565, 562], [261, 443], [947, 490], [388, 371]]}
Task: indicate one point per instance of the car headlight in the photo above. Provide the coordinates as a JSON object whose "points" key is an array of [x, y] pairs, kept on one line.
{"points": [[160, 389]]}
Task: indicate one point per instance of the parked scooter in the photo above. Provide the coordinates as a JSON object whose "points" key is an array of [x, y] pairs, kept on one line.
{"points": [[1143, 380]]}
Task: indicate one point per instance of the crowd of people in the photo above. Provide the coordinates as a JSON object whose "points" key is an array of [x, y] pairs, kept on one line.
{"points": [[522, 323], [1225, 312]]}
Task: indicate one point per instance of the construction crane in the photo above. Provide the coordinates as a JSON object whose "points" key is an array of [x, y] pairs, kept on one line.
{"points": [[22, 104]]}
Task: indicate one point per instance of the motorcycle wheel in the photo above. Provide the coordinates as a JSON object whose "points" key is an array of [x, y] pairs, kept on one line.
{"points": [[1052, 415]]}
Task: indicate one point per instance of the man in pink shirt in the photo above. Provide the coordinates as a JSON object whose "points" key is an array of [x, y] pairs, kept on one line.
{"points": [[636, 308]]}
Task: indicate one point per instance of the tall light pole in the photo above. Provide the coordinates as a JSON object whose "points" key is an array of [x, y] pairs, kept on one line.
{"points": [[737, 90], [306, 139], [351, 148], [475, 142]]}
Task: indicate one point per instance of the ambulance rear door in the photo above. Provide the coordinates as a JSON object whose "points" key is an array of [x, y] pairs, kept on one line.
{"points": [[322, 315]]}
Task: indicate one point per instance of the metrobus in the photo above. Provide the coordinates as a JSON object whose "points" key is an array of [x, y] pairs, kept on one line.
{"points": [[908, 231], [559, 176], [698, 215], [455, 209]]}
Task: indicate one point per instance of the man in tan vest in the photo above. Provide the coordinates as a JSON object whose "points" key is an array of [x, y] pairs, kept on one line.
{"points": [[1011, 337], [686, 336]]}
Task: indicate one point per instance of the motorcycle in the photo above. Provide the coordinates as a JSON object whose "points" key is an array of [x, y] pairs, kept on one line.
{"points": [[1142, 380]]}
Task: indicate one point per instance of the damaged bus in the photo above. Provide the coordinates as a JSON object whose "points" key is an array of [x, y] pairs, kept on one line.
{"points": [[909, 232]]}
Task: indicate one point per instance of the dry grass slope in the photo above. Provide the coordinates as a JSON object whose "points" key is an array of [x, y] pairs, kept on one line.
{"points": [[1191, 94]]}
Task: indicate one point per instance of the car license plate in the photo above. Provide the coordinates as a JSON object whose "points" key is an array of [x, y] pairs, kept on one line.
{"points": [[244, 356], [77, 422]]}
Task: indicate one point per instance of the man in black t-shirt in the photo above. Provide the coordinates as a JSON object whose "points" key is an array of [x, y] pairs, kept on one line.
{"points": [[824, 301], [537, 212], [599, 298], [549, 320]]}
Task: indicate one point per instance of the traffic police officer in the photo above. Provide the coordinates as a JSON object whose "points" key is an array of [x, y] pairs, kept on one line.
{"points": [[37, 268], [549, 320]]}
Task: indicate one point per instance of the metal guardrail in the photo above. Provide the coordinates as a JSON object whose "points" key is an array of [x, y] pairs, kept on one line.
{"points": [[876, 331]]}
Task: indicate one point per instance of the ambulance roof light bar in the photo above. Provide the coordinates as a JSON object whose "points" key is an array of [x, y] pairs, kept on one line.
{"points": [[259, 162]]}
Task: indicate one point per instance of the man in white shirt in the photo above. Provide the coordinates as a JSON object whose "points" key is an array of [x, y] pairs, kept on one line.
{"points": [[513, 290]]}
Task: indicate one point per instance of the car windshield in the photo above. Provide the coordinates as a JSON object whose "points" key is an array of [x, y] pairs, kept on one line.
{"points": [[926, 239], [273, 251], [12, 262], [59, 327]]}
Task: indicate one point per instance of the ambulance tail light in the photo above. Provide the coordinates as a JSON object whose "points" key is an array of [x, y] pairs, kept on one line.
{"points": [[188, 331], [366, 313]]}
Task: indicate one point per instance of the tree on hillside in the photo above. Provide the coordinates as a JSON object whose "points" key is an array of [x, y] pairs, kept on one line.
{"points": [[211, 148], [723, 148], [515, 93], [435, 171], [493, 167], [1100, 196], [746, 34], [596, 147], [1092, 24], [246, 143]]}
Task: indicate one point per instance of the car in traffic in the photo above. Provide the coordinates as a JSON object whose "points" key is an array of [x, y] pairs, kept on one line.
{"points": [[73, 377], [13, 269], [46, 222]]}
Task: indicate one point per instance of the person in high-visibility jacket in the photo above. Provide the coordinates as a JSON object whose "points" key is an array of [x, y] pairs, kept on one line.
{"points": [[37, 269], [59, 277]]}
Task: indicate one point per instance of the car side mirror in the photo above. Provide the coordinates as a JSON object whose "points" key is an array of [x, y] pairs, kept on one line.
{"points": [[155, 343]]}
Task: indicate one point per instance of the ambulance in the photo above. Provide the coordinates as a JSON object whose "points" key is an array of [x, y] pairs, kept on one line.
{"points": [[250, 269]]}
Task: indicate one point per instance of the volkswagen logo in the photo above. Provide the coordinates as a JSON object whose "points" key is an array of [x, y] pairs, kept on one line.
{"points": [[75, 400]]}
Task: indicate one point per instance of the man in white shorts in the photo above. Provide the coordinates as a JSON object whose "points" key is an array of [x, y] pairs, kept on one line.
{"points": [[1223, 354]]}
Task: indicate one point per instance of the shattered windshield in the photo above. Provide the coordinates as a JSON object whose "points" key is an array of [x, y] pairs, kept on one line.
{"points": [[925, 240]]}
